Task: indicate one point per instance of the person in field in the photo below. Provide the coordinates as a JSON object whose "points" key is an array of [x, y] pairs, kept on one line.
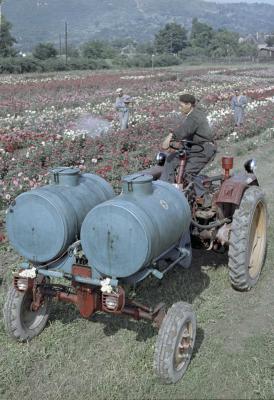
{"points": [[122, 107], [194, 127], [238, 105]]}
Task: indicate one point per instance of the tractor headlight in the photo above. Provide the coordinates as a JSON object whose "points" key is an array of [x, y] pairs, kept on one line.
{"points": [[111, 303], [250, 166], [22, 284], [161, 158]]}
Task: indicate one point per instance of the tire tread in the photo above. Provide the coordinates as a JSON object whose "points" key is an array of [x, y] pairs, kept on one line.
{"points": [[238, 243]]}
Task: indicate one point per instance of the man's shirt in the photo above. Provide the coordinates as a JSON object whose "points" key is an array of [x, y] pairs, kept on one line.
{"points": [[195, 127], [120, 104]]}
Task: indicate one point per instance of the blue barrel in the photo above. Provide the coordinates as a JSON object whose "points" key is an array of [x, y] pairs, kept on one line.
{"points": [[125, 234], [43, 222]]}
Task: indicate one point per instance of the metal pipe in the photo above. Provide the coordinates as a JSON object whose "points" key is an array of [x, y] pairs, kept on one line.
{"points": [[175, 262], [163, 254], [141, 306], [94, 282], [213, 178], [67, 297], [137, 313], [212, 225], [51, 274], [77, 278]]}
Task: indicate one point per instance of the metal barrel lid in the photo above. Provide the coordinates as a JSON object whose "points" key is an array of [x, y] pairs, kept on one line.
{"points": [[137, 183], [68, 176]]}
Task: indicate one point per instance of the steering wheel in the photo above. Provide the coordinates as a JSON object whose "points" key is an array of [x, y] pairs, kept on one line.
{"points": [[185, 144]]}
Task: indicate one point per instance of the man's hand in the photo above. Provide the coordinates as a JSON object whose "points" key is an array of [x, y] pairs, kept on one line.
{"points": [[166, 142]]}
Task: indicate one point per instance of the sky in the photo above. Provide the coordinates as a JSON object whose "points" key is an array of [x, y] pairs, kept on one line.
{"points": [[243, 1]]}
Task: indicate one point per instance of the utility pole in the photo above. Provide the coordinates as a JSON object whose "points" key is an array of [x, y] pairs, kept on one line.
{"points": [[0, 16], [60, 45], [152, 61], [66, 41], [171, 43]]}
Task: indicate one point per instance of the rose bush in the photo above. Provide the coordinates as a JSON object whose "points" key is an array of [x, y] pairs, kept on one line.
{"points": [[69, 119]]}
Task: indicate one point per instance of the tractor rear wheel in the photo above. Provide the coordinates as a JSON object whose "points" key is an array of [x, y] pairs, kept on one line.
{"points": [[21, 323], [175, 342], [248, 240]]}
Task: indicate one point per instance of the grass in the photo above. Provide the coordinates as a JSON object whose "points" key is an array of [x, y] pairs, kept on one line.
{"points": [[252, 144], [111, 357]]}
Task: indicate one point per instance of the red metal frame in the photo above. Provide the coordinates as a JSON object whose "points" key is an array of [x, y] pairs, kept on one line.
{"points": [[231, 191], [89, 300], [227, 164]]}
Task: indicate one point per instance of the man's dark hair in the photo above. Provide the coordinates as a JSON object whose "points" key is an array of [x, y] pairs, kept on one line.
{"points": [[187, 98]]}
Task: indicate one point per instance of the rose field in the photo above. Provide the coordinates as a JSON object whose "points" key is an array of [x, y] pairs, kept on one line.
{"points": [[68, 119], [47, 121]]}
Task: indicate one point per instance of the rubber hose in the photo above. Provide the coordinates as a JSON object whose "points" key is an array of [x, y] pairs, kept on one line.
{"points": [[212, 225]]}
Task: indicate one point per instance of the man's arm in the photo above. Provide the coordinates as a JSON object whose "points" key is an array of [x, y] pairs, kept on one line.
{"points": [[244, 101], [185, 130]]}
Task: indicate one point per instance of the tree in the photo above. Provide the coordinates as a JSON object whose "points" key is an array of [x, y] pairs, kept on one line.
{"points": [[73, 51], [119, 43], [147, 48], [171, 39], [44, 51], [201, 34], [97, 49], [247, 49], [6, 40], [224, 44]]}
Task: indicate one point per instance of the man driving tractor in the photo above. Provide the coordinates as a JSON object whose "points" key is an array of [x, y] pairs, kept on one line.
{"points": [[194, 128]]}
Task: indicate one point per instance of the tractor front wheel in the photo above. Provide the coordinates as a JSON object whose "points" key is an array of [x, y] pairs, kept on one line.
{"points": [[248, 240], [21, 323], [175, 342]]}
